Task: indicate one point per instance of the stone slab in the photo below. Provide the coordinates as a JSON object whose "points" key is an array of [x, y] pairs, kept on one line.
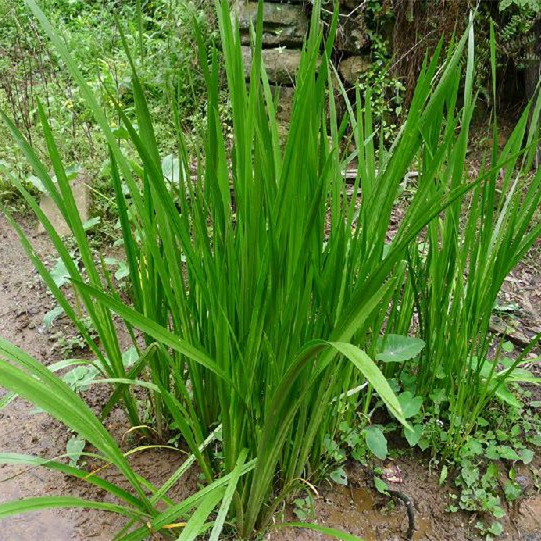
{"points": [[281, 64], [81, 194], [283, 24]]}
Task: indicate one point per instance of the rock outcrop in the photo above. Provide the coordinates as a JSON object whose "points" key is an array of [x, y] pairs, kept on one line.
{"points": [[285, 26]]}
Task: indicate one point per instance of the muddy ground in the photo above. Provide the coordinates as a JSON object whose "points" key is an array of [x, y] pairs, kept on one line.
{"points": [[357, 508]]}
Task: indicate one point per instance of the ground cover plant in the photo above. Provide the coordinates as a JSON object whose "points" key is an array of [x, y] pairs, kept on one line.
{"points": [[30, 71], [263, 292]]}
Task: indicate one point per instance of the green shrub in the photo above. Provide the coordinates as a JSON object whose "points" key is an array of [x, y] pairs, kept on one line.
{"points": [[31, 71]]}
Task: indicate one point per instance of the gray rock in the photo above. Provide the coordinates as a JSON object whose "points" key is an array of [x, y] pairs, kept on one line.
{"points": [[281, 64], [283, 24], [525, 482], [351, 68], [352, 36], [81, 194], [284, 108]]}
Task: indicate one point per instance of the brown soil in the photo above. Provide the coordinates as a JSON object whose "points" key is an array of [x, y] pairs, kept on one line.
{"points": [[357, 509], [360, 510], [22, 308], [23, 303]]}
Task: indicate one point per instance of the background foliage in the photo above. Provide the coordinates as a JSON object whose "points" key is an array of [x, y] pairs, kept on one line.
{"points": [[31, 71]]}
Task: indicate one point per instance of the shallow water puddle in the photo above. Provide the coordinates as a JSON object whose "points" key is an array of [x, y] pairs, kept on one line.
{"points": [[361, 509]]}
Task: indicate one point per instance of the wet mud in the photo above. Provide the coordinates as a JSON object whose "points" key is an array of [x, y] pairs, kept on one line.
{"points": [[357, 509]]}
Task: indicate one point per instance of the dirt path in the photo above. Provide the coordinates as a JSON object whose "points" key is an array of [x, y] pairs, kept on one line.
{"points": [[22, 308], [24, 302]]}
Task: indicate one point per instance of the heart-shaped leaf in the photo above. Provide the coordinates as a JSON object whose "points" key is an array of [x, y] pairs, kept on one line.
{"points": [[376, 441], [410, 404], [397, 348], [414, 435]]}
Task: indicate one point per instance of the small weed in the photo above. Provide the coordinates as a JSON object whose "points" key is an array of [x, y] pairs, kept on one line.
{"points": [[485, 472], [303, 507], [74, 450]]}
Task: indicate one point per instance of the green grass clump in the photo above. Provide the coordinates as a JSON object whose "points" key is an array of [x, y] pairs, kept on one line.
{"points": [[458, 267], [260, 282]]}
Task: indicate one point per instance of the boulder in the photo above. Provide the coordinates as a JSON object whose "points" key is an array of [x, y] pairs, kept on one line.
{"points": [[351, 68], [283, 24], [282, 64]]}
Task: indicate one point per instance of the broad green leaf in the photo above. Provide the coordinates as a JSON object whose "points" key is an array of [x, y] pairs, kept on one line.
{"points": [[411, 405], [492, 452], [512, 491], [74, 448], [80, 377], [413, 436], [381, 485], [505, 395], [535, 439], [91, 223], [376, 441], [36, 182], [130, 357], [171, 169], [443, 475], [526, 455], [71, 172], [507, 453], [52, 315], [470, 474], [496, 529], [122, 272], [339, 476], [60, 274], [397, 348]]}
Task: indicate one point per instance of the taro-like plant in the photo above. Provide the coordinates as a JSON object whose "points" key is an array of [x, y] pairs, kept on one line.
{"points": [[259, 280]]}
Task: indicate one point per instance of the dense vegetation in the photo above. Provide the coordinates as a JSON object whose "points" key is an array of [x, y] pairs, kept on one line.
{"points": [[161, 34], [275, 309]]}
